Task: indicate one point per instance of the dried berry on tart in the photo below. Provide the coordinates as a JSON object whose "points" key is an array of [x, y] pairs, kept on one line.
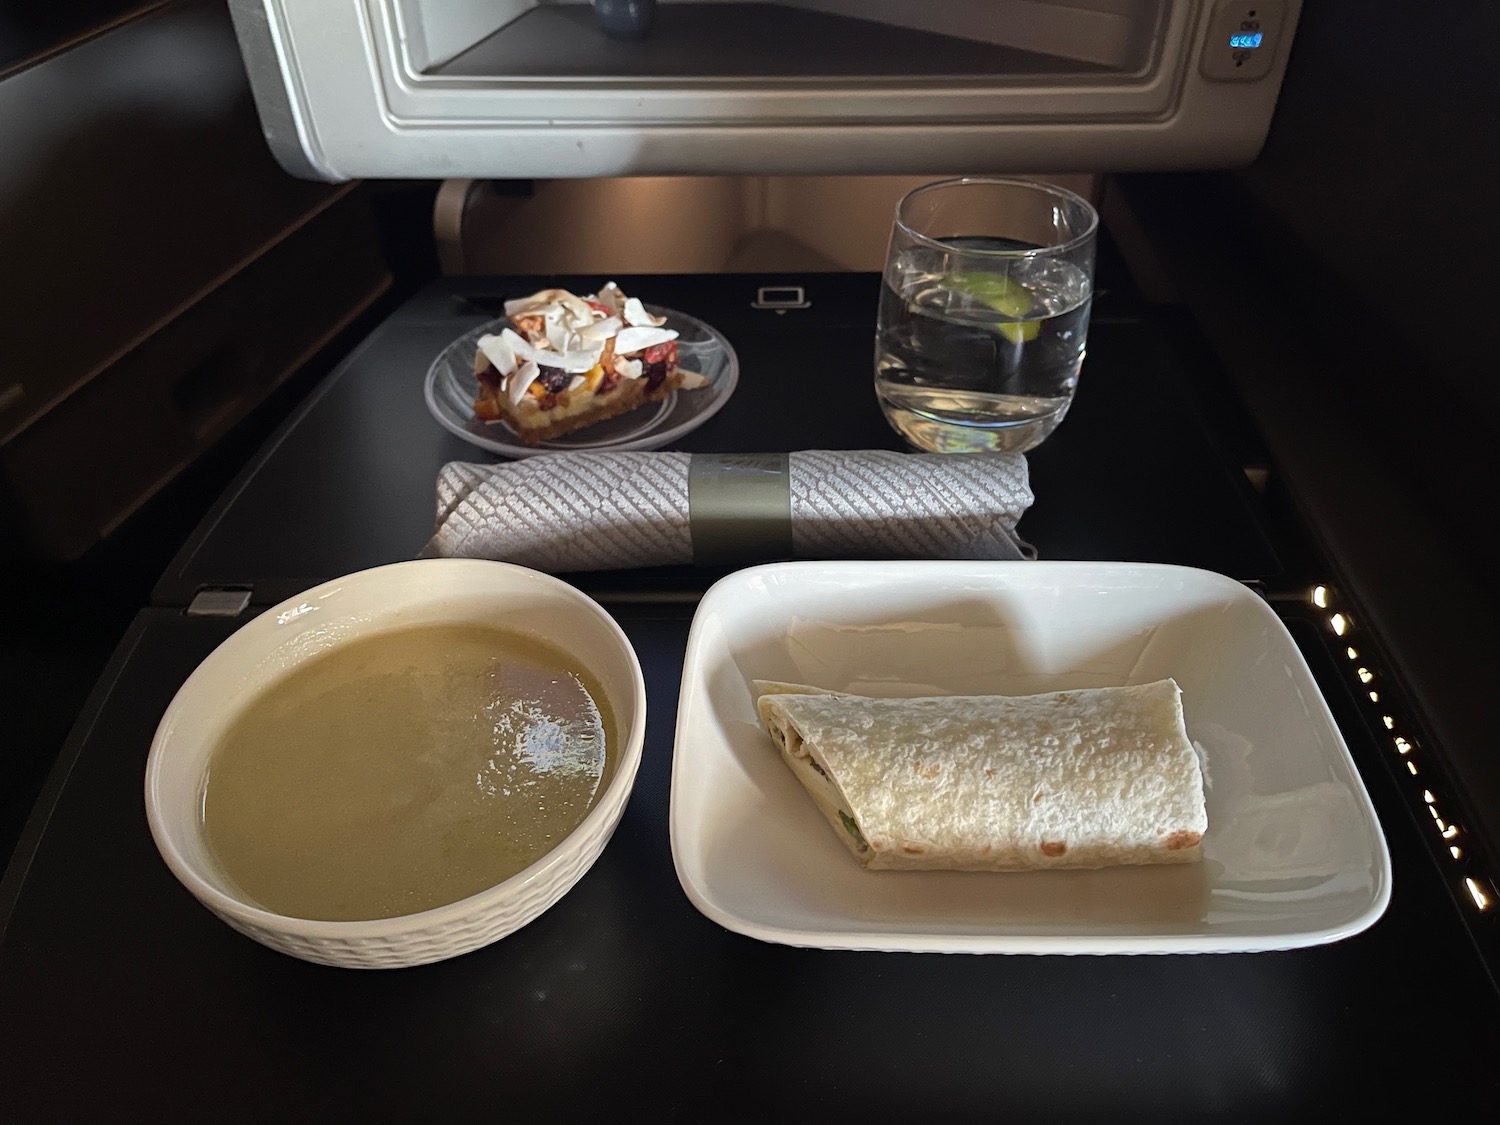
{"points": [[566, 362]]}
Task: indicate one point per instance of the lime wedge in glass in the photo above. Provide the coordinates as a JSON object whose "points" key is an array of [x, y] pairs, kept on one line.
{"points": [[1005, 296]]}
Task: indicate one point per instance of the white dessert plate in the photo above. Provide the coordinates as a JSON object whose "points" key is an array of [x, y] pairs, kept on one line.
{"points": [[1293, 856], [451, 386]]}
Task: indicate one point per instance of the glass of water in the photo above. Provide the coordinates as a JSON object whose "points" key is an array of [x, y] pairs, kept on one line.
{"points": [[984, 313]]}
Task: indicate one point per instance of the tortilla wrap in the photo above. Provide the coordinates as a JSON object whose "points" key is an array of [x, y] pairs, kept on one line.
{"points": [[1087, 778]]}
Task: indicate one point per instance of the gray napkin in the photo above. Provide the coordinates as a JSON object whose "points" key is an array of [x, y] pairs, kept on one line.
{"points": [[607, 511]]}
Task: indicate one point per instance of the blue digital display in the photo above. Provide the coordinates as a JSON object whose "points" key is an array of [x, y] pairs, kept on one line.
{"points": [[1250, 39]]}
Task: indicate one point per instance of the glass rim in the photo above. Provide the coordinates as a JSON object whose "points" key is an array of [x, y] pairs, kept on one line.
{"points": [[1009, 181]]}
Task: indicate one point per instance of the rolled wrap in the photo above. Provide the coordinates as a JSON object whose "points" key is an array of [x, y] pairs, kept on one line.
{"points": [[605, 511], [1087, 778]]}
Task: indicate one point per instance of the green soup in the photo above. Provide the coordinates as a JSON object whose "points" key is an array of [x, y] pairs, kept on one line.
{"points": [[405, 771]]}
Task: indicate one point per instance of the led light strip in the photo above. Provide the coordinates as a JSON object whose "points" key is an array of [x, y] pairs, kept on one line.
{"points": [[1479, 890]]}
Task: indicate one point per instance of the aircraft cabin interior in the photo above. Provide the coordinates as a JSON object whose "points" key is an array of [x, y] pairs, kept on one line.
{"points": [[651, 321]]}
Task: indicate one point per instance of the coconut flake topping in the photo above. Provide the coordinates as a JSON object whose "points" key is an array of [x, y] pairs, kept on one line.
{"points": [[637, 317], [573, 338], [517, 382], [631, 340]]}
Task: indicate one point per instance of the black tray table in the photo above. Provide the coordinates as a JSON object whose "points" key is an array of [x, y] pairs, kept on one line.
{"points": [[123, 999]]}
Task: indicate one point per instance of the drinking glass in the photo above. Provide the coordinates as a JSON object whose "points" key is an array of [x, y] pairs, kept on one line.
{"points": [[984, 313]]}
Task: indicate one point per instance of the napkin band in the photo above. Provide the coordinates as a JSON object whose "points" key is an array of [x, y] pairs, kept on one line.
{"points": [[739, 507]]}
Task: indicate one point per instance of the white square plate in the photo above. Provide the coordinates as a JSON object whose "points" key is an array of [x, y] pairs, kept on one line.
{"points": [[1293, 855]]}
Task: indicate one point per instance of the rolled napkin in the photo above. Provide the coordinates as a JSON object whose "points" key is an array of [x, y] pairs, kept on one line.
{"points": [[608, 511]]}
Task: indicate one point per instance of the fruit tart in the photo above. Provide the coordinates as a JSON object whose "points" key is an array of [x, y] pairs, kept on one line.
{"points": [[565, 362]]}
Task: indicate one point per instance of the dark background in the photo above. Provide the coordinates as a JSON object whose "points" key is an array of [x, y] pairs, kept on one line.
{"points": [[33, 28]]}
